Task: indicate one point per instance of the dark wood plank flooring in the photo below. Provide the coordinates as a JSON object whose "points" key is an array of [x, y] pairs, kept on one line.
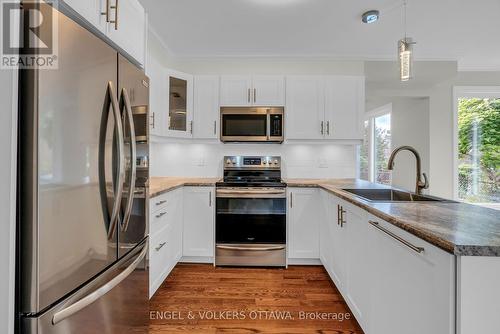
{"points": [[248, 300]]}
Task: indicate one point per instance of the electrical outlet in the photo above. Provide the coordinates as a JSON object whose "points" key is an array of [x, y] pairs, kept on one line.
{"points": [[322, 163]]}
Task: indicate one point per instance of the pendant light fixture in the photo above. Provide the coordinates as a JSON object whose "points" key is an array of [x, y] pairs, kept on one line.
{"points": [[405, 52]]}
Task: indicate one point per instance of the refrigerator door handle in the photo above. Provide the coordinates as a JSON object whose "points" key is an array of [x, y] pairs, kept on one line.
{"points": [[125, 103], [89, 299], [111, 99]]}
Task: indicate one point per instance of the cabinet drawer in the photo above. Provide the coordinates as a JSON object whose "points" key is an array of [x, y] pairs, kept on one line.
{"points": [[159, 249], [159, 202], [160, 219]]}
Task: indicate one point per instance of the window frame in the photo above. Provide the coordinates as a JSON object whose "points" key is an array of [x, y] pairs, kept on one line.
{"points": [[370, 116], [479, 92]]}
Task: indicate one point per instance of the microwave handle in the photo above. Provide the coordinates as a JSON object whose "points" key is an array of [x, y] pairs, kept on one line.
{"points": [[268, 127]]}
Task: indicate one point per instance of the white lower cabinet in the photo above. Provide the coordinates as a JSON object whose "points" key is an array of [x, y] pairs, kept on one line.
{"points": [[412, 292], [199, 217], [390, 285], [165, 246], [303, 223]]}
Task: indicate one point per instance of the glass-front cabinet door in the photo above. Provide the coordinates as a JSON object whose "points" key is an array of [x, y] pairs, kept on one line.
{"points": [[180, 104]]}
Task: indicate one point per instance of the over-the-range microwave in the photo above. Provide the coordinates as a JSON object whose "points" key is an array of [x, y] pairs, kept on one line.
{"points": [[252, 124]]}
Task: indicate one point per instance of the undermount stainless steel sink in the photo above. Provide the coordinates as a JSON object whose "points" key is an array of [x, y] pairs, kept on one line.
{"points": [[392, 195]]}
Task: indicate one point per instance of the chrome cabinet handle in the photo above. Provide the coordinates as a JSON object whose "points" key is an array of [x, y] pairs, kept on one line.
{"points": [[210, 198], [106, 13], [153, 118], [248, 95], [215, 127], [111, 100], [115, 21], [338, 214], [251, 248], [322, 127], [161, 202], [161, 214], [328, 127], [397, 237], [255, 95], [291, 200], [191, 125], [89, 299], [342, 221], [160, 246], [125, 104]]}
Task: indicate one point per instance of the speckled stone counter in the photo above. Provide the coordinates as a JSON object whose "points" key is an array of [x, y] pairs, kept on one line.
{"points": [[458, 228], [161, 185]]}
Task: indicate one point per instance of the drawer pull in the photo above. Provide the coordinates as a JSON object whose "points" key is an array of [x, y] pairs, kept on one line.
{"points": [[160, 246], [161, 214], [398, 238], [161, 202]]}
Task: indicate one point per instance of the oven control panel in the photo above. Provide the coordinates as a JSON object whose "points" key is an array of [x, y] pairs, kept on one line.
{"points": [[252, 162]]}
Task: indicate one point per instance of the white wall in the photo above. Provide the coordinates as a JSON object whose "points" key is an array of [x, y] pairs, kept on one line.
{"points": [[441, 127], [409, 126], [299, 160], [8, 131], [434, 80], [199, 158]]}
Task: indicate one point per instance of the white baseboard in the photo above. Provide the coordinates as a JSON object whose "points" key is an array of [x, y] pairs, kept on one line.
{"points": [[197, 259], [304, 262]]}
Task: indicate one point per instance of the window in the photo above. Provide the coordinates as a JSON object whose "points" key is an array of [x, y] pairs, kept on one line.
{"points": [[477, 147], [376, 148]]}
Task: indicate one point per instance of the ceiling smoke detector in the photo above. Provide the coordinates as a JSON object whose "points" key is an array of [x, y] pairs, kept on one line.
{"points": [[370, 16]]}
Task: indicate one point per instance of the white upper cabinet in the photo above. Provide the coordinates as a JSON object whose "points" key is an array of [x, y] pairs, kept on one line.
{"points": [[268, 90], [179, 93], [235, 90], [305, 107], [324, 107], [344, 107], [206, 107], [303, 223], [265, 90], [158, 97], [123, 21], [129, 31], [91, 11]]}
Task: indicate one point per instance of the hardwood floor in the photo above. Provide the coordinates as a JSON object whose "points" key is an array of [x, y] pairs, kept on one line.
{"points": [[247, 300]]}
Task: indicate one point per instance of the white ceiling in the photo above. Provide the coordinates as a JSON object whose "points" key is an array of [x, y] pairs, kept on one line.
{"points": [[464, 30]]}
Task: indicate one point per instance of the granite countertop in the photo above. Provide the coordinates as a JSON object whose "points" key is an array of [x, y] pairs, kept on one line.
{"points": [[160, 185], [458, 228]]}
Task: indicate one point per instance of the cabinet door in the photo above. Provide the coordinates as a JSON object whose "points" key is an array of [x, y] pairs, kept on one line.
{"points": [[304, 118], [158, 98], [344, 107], [268, 90], [90, 10], [338, 249], [206, 106], [325, 244], [235, 90], [130, 31], [198, 235], [303, 228], [180, 104], [359, 272], [411, 286]]}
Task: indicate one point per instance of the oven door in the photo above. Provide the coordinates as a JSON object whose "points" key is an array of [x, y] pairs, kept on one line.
{"points": [[250, 216]]}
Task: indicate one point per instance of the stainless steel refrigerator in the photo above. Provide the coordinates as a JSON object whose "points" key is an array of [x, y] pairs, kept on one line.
{"points": [[82, 200]]}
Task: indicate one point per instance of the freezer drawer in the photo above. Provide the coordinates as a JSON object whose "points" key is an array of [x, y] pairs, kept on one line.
{"points": [[115, 302]]}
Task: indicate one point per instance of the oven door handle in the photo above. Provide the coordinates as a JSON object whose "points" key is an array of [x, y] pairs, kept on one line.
{"points": [[271, 248], [260, 193]]}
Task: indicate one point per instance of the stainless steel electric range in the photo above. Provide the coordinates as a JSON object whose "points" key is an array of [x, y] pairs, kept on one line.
{"points": [[250, 227]]}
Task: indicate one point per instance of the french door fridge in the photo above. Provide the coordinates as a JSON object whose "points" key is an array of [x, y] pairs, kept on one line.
{"points": [[82, 238]]}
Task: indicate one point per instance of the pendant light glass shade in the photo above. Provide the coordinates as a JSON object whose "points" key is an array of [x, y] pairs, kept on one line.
{"points": [[405, 52]]}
